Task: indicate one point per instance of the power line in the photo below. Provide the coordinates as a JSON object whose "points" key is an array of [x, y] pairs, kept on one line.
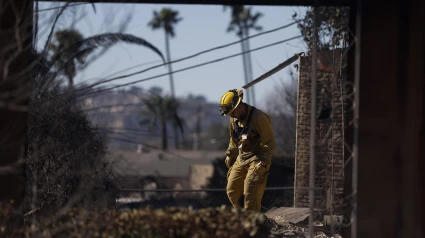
{"points": [[194, 66], [118, 130], [189, 57], [148, 146], [193, 190], [134, 131], [126, 112], [59, 7], [121, 71], [116, 105], [126, 129], [135, 66], [129, 141], [125, 138]]}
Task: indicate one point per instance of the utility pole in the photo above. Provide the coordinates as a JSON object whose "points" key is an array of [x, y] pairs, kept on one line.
{"points": [[249, 65]]}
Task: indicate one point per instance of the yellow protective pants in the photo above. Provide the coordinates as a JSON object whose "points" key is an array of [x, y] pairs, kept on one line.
{"points": [[247, 179]]}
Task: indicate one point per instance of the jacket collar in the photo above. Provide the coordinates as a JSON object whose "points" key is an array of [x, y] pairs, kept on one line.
{"points": [[244, 118]]}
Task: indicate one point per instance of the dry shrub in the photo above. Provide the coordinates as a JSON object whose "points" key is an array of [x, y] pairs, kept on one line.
{"points": [[66, 164], [149, 223]]}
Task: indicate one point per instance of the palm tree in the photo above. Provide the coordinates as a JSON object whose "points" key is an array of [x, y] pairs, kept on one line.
{"points": [[63, 53], [166, 19], [159, 111], [71, 48], [241, 22]]}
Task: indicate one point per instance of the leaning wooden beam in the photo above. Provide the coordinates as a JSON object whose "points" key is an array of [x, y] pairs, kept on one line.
{"points": [[273, 71]]}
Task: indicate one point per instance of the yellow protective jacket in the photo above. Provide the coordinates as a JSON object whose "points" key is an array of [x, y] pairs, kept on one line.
{"points": [[261, 138]]}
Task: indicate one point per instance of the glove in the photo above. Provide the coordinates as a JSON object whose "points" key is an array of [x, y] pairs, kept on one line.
{"points": [[229, 162]]}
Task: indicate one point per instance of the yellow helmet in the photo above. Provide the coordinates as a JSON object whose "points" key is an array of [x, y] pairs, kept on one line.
{"points": [[229, 101]]}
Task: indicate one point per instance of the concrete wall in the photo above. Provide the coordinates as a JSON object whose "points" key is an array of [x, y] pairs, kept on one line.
{"points": [[329, 178], [199, 175]]}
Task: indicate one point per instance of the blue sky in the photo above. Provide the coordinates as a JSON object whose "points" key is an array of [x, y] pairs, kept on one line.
{"points": [[202, 27]]}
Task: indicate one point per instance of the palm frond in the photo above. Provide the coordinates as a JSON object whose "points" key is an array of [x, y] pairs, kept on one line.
{"points": [[258, 28], [242, 18], [230, 28], [150, 105], [94, 7], [81, 55], [165, 19], [156, 22], [113, 38], [255, 18], [145, 121]]}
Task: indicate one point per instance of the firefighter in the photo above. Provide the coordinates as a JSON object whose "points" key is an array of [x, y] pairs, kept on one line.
{"points": [[249, 154]]}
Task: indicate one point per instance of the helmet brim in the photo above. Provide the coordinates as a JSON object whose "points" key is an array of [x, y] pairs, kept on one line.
{"points": [[226, 113]]}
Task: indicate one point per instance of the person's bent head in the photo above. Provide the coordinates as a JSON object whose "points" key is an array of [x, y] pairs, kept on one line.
{"points": [[231, 103]]}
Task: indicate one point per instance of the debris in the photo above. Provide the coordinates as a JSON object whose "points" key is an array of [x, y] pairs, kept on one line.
{"points": [[335, 220], [285, 215], [292, 222]]}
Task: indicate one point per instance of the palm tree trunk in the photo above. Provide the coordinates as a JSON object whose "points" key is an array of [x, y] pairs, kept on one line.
{"points": [[70, 84], [173, 94], [167, 49], [249, 63], [198, 128], [164, 135], [176, 138], [70, 73], [249, 66]]}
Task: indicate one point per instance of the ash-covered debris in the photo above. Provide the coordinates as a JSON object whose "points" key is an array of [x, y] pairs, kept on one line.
{"points": [[290, 231], [292, 222]]}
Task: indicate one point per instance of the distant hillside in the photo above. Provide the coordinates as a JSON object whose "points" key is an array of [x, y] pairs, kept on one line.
{"points": [[119, 113]]}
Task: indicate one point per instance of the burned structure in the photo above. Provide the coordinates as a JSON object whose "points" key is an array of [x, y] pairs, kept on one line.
{"points": [[329, 139]]}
